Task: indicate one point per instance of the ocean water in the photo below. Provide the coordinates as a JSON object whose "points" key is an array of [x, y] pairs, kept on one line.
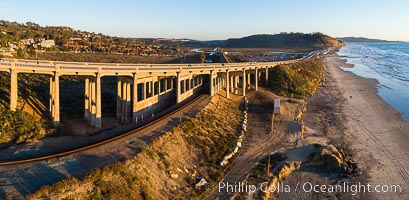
{"points": [[386, 62]]}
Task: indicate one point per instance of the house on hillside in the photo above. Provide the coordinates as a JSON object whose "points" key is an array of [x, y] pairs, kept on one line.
{"points": [[46, 43]]}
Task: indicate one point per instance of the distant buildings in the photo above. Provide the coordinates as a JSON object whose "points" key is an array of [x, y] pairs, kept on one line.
{"points": [[46, 43]]}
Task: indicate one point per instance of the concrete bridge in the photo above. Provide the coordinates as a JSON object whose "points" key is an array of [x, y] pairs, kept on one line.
{"points": [[142, 89]]}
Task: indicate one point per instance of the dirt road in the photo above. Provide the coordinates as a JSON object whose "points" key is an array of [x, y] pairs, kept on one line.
{"points": [[258, 142]]}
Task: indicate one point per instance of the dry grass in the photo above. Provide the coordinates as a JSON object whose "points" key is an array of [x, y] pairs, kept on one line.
{"points": [[191, 150]]}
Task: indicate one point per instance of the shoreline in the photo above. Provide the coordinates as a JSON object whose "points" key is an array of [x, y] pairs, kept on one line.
{"points": [[375, 132]]}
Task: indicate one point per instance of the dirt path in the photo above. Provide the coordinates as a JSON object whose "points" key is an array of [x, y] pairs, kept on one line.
{"points": [[19, 180], [258, 143], [375, 131]]}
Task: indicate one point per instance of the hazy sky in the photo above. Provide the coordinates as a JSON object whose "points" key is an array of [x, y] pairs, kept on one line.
{"points": [[217, 19]]}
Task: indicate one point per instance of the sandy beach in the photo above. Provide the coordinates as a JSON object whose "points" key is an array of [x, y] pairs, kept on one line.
{"points": [[375, 133]]}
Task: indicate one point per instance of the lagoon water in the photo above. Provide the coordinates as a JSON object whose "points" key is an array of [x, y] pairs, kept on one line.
{"points": [[386, 62]]}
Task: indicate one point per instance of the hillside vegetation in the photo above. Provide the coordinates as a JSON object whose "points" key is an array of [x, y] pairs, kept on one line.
{"points": [[20, 126], [284, 40], [169, 167], [298, 80]]}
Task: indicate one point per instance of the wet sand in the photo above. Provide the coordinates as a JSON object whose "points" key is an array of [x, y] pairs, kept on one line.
{"points": [[375, 132]]}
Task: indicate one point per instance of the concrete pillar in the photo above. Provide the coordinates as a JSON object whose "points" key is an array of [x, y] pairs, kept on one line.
{"points": [[93, 102], [248, 79], [244, 82], [218, 83], [151, 88], [143, 90], [215, 85], [266, 75], [227, 84], [13, 90], [231, 79], [166, 84], [86, 99], [211, 83], [56, 120], [99, 103], [256, 79], [119, 98], [123, 105], [135, 99], [128, 102], [178, 88], [51, 101]]}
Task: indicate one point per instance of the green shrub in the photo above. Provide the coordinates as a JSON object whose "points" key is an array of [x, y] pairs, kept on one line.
{"points": [[298, 80]]}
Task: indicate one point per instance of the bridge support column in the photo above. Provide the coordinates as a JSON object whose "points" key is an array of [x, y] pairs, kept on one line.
{"points": [[92, 102], [178, 88], [231, 78], [98, 102], [185, 84], [215, 82], [256, 77], [211, 83], [123, 105], [149, 89], [56, 119], [171, 83], [13, 89], [135, 99], [86, 99], [144, 90], [248, 80], [165, 84], [227, 84], [51, 101], [219, 84], [244, 82], [119, 99], [266, 75], [128, 102]]}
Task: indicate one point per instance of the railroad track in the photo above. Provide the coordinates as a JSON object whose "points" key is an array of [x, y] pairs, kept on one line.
{"points": [[100, 143]]}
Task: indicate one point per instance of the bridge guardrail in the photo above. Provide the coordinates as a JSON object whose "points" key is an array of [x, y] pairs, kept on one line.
{"points": [[51, 66]]}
